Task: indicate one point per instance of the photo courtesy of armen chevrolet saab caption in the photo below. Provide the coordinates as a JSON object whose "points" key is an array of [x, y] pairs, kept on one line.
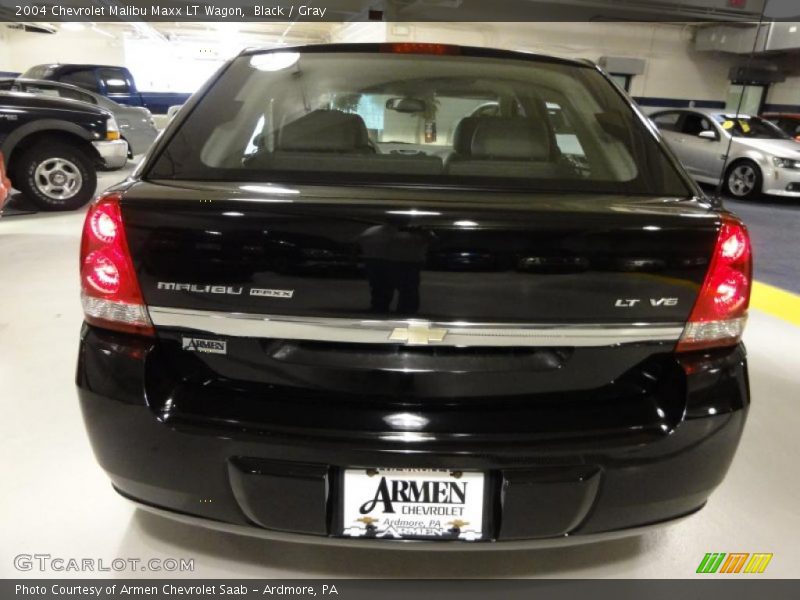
{"points": [[401, 294]]}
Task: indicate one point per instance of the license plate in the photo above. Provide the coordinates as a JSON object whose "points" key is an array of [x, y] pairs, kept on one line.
{"points": [[413, 504]]}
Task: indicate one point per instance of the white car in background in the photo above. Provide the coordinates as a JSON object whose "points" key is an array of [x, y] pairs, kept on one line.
{"points": [[763, 159]]}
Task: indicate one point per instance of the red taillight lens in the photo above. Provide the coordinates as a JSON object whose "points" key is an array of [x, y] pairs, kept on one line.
{"points": [[103, 222], [109, 289], [720, 313], [418, 48], [101, 273], [5, 184]]}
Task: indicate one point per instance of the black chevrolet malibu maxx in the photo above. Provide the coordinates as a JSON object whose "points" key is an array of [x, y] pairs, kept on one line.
{"points": [[372, 294]]}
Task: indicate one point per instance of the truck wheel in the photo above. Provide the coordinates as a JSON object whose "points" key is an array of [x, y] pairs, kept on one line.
{"points": [[56, 176], [743, 180]]}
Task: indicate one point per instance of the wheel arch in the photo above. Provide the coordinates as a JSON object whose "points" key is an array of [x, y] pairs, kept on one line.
{"points": [[754, 155], [745, 158], [30, 134]]}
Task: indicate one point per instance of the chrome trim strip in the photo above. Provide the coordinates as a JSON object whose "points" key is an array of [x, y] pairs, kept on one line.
{"points": [[411, 332]]}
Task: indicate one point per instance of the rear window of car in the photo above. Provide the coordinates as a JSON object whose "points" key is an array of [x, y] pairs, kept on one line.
{"points": [[85, 78], [667, 121], [340, 117], [116, 81], [37, 72]]}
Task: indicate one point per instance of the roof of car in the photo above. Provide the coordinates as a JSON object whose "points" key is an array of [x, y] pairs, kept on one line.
{"points": [[50, 82], [73, 66], [420, 49]]}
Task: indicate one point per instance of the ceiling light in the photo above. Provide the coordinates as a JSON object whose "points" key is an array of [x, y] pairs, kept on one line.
{"points": [[274, 61]]}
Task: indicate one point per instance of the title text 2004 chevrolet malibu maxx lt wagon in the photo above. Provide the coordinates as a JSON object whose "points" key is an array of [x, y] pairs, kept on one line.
{"points": [[413, 292]]}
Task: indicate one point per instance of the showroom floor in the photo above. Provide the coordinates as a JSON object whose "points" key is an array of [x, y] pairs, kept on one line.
{"points": [[61, 503]]}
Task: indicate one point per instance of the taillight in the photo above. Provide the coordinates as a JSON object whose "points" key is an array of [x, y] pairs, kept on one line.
{"points": [[109, 289], [720, 312]]}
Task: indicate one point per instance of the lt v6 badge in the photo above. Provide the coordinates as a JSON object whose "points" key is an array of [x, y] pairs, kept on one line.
{"points": [[654, 302], [207, 346]]}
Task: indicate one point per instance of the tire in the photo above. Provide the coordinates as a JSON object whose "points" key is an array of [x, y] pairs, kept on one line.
{"points": [[743, 180], [56, 176]]}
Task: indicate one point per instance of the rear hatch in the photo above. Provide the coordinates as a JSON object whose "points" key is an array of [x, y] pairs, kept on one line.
{"points": [[414, 294], [484, 258]]}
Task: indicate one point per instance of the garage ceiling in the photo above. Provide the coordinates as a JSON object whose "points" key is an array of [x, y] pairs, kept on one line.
{"points": [[260, 33], [247, 32]]}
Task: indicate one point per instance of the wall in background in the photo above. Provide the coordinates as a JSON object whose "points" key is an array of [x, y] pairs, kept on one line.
{"points": [[360, 32], [673, 69], [675, 74], [181, 63], [786, 95], [20, 50], [180, 67], [5, 49]]}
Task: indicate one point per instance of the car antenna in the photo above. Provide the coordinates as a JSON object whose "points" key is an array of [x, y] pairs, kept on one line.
{"points": [[718, 191]]}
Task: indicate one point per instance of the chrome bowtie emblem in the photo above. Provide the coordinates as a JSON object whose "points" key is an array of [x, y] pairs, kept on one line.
{"points": [[418, 334]]}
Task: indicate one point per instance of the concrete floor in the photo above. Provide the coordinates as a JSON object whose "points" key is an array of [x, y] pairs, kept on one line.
{"points": [[57, 501]]}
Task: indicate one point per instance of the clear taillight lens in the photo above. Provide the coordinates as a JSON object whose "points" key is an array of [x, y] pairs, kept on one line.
{"points": [[109, 289], [720, 313]]}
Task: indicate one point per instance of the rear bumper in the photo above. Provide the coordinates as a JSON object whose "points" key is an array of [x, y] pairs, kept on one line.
{"points": [[387, 544], [114, 153], [287, 482]]}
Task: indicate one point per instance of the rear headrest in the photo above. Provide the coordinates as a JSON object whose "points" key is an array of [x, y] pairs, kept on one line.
{"points": [[325, 131], [511, 138], [462, 136]]}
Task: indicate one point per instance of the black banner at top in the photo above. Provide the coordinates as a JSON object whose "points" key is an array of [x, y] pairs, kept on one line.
{"points": [[399, 10]]}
